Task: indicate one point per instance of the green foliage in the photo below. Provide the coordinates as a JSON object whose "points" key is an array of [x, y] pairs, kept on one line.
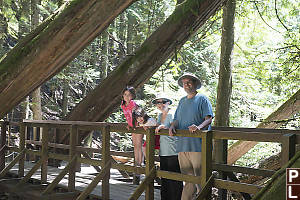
{"points": [[260, 152], [265, 60]]}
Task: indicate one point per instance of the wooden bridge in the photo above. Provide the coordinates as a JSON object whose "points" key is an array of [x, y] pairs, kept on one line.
{"points": [[46, 189]]}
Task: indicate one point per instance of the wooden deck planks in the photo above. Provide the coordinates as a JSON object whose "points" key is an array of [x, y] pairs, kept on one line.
{"points": [[119, 190]]}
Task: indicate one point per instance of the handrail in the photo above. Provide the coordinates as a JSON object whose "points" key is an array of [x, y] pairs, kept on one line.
{"points": [[287, 137], [80, 148], [230, 133]]}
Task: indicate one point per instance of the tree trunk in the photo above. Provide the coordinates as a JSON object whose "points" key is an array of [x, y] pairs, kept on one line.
{"points": [[225, 79], [23, 12], [66, 91], [275, 120], [36, 104], [52, 45], [121, 31], [36, 95], [130, 33], [104, 55], [3, 31], [137, 69], [112, 56], [224, 86]]}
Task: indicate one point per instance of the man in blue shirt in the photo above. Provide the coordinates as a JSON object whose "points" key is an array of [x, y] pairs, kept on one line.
{"points": [[194, 112]]}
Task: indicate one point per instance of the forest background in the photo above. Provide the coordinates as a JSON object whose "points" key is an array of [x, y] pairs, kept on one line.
{"points": [[265, 62]]}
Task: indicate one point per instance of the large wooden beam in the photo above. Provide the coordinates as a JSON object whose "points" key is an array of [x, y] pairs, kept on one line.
{"points": [[276, 187], [52, 45], [273, 121], [187, 18]]}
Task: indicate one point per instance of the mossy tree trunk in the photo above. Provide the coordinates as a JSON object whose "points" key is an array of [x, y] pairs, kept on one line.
{"points": [[224, 85], [225, 79], [66, 91], [137, 69], [36, 94], [275, 120], [52, 45], [22, 15], [130, 33], [104, 55], [3, 31], [122, 29]]}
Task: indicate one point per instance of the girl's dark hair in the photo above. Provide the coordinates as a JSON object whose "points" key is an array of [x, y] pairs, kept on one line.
{"points": [[139, 112], [132, 92]]}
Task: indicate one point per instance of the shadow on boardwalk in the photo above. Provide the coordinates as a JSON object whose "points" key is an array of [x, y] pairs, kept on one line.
{"points": [[120, 188]]}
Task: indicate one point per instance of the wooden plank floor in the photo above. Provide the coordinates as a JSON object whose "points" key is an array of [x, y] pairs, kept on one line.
{"points": [[119, 190]]}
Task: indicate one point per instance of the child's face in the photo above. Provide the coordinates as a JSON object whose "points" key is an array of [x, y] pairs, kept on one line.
{"points": [[127, 96], [140, 120]]}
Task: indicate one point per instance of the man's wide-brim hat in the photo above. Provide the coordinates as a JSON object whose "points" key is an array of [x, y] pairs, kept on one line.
{"points": [[192, 77], [162, 98]]}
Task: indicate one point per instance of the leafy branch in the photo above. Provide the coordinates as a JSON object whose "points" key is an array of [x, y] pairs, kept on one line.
{"points": [[276, 11], [260, 14]]}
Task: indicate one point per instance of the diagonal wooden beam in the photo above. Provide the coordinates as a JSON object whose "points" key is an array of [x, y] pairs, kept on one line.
{"points": [[206, 189], [59, 177], [142, 187], [52, 45], [12, 163], [186, 19], [275, 120], [94, 183], [30, 173]]}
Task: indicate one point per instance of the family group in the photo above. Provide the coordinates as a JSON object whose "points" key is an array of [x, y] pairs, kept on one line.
{"points": [[177, 154]]}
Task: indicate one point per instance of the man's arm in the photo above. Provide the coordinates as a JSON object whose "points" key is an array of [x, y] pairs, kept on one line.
{"points": [[173, 127], [205, 123]]}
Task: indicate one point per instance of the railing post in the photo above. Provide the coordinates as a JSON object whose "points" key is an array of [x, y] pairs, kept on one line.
{"points": [[288, 148], [2, 145], [45, 140], [22, 147], [206, 158], [150, 138], [34, 138], [220, 157], [72, 154], [105, 159]]}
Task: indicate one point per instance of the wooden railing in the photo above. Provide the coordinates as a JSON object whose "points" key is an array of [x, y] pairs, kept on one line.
{"points": [[288, 139]]}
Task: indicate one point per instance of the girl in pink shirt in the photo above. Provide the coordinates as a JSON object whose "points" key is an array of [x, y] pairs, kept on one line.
{"points": [[128, 105]]}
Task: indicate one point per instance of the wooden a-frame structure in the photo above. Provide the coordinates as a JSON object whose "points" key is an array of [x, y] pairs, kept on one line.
{"points": [[46, 50], [49, 48]]}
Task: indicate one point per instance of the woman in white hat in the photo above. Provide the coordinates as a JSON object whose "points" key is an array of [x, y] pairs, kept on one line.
{"points": [[170, 189]]}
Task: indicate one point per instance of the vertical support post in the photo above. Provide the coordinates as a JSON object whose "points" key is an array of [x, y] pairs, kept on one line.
{"points": [[150, 138], [288, 148], [220, 156], [8, 128], [105, 159], [72, 154], [21, 148], [45, 140], [34, 131], [135, 178], [2, 144], [27, 137], [206, 158]]}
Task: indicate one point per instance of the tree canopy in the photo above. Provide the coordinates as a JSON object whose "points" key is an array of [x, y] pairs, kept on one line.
{"points": [[265, 58]]}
